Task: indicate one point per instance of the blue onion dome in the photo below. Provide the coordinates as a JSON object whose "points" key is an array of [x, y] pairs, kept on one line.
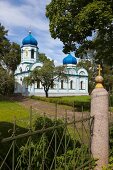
{"points": [[29, 40], [69, 60]]}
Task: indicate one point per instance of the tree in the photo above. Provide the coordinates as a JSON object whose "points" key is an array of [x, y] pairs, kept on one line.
{"points": [[101, 47], [9, 59], [43, 58], [6, 82], [45, 74], [72, 21], [4, 42], [9, 52], [12, 58], [108, 77]]}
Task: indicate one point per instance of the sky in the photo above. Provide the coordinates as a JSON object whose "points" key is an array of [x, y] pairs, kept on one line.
{"points": [[21, 16]]}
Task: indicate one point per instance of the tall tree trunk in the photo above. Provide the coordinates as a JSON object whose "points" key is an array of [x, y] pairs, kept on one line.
{"points": [[46, 92]]}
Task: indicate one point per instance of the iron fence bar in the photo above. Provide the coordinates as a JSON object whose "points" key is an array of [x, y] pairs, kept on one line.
{"points": [[39, 131], [86, 130], [13, 154], [21, 154], [84, 165], [5, 163], [30, 130], [74, 138], [82, 138], [49, 144], [65, 140], [89, 147], [43, 159], [91, 126], [6, 156], [78, 133], [57, 150], [36, 151], [55, 135]]}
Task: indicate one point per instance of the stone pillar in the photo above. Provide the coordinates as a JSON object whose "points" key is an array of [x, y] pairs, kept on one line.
{"points": [[100, 137]]}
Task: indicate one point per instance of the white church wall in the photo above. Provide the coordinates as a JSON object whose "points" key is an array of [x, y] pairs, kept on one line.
{"points": [[77, 83]]}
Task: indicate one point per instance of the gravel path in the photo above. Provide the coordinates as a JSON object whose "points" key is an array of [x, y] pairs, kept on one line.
{"points": [[49, 108]]}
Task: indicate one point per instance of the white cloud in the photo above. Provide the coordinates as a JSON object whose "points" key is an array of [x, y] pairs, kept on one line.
{"points": [[24, 15], [17, 18]]}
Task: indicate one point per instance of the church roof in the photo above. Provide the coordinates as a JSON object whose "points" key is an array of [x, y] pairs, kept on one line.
{"points": [[29, 40], [69, 60]]}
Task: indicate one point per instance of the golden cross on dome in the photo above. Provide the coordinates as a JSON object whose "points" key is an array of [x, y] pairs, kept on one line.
{"points": [[99, 69]]}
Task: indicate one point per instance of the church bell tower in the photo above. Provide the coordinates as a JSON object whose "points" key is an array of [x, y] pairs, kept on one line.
{"points": [[29, 49]]}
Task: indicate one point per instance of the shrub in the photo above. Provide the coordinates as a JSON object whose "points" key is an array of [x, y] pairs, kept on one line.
{"points": [[45, 143]]}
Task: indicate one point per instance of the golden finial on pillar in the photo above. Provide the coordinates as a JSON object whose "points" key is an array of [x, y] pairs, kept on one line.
{"points": [[99, 78]]}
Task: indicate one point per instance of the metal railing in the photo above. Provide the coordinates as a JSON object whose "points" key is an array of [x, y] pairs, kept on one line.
{"points": [[49, 144]]}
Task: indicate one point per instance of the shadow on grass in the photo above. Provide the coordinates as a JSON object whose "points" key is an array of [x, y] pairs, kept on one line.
{"points": [[6, 130], [14, 97]]}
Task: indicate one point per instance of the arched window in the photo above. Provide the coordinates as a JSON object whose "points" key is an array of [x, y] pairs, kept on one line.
{"points": [[27, 68], [81, 85], [62, 84], [82, 73], [71, 84], [16, 85], [38, 84], [52, 85], [32, 53]]}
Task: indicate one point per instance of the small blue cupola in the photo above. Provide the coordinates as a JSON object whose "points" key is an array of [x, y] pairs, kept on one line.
{"points": [[69, 60], [29, 40]]}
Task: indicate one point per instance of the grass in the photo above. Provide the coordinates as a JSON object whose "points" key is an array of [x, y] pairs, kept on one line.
{"points": [[10, 109], [66, 99]]}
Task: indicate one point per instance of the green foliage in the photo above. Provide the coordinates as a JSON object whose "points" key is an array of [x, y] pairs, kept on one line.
{"points": [[99, 47], [9, 52], [9, 59], [82, 157], [12, 58], [44, 142], [36, 153], [110, 165], [4, 42], [6, 82], [73, 21], [46, 74], [108, 77], [103, 44], [43, 58]]}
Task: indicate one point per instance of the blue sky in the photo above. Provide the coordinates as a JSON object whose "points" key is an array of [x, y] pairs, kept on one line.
{"points": [[20, 16]]}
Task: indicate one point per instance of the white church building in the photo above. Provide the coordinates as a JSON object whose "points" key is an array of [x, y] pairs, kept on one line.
{"points": [[77, 83]]}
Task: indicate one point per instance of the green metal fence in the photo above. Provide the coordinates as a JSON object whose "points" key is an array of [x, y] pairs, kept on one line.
{"points": [[49, 144]]}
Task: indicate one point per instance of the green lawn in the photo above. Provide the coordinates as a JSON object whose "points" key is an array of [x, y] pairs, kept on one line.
{"points": [[10, 109], [66, 98]]}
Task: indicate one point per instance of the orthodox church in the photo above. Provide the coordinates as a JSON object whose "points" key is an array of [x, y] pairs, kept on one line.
{"points": [[77, 83]]}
